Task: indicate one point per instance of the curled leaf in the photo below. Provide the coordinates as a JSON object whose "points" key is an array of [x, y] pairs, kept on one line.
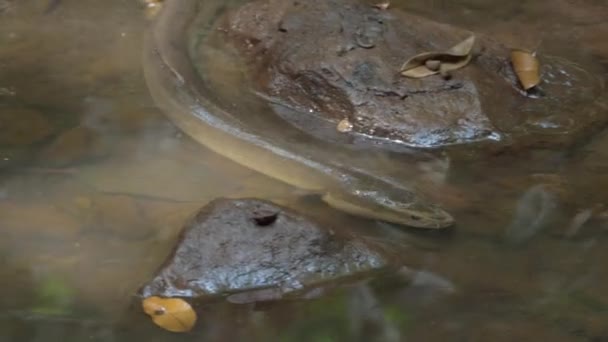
{"points": [[344, 126], [431, 63], [526, 67], [382, 5], [173, 314]]}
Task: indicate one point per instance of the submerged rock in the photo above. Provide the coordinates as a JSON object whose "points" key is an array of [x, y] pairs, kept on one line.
{"points": [[225, 250]]}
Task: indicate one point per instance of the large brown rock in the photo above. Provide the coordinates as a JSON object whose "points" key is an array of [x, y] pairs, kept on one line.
{"points": [[320, 62], [233, 246]]}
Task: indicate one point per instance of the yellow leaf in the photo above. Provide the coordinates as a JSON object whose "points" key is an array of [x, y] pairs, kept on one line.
{"points": [[173, 314], [454, 58]]}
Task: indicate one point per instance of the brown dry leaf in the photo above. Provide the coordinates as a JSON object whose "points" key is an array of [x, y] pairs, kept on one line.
{"points": [[265, 218], [431, 63], [173, 314], [344, 126], [382, 5], [526, 68]]}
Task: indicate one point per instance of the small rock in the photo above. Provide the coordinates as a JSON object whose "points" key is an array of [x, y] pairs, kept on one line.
{"points": [[265, 218], [433, 65], [223, 251]]}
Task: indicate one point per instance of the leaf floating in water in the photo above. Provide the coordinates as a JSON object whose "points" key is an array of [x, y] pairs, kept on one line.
{"points": [[431, 63], [344, 126], [173, 314], [382, 5], [526, 68]]}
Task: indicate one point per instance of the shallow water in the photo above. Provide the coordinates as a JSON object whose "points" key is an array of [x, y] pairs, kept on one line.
{"points": [[95, 184]]}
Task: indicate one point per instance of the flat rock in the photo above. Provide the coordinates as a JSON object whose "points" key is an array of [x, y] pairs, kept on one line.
{"points": [[319, 62], [250, 245]]}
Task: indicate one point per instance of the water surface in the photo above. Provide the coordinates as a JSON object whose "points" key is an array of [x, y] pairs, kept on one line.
{"points": [[95, 184]]}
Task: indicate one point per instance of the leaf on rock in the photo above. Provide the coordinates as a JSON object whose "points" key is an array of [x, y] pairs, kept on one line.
{"points": [[344, 126], [431, 63], [173, 314], [382, 5], [526, 67]]}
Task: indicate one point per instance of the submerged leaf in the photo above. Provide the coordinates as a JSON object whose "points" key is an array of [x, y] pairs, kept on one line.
{"points": [[431, 63], [173, 314], [526, 67]]}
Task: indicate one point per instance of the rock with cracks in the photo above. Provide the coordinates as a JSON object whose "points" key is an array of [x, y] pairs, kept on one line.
{"points": [[321, 63], [253, 246]]}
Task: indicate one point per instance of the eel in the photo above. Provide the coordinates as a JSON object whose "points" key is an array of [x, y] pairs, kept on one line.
{"points": [[344, 178]]}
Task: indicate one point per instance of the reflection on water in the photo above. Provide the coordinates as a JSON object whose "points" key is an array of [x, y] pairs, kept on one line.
{"points": [[95, 184]]}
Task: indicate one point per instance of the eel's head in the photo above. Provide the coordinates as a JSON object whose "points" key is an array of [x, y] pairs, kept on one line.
{"points": [[394, 205]]}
